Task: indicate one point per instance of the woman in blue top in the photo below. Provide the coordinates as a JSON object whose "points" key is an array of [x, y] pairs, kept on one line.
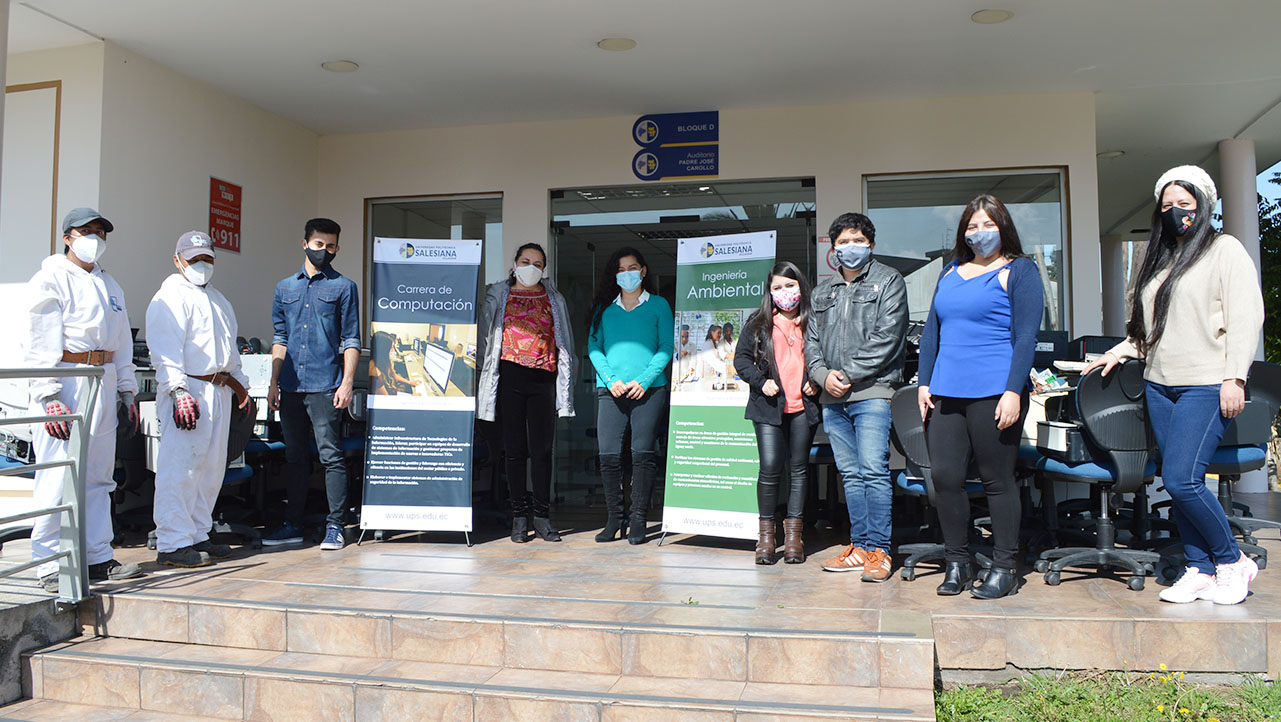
{"points": [[976, 353], [630, 341]]}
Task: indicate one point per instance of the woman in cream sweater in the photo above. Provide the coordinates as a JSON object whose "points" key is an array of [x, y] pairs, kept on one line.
{"points": [[1195, 316]]}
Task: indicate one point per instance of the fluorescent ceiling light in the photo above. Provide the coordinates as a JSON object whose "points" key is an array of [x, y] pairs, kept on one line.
{"points": [[1110, 154], [339, 66], [617, 44], [991, 16]]}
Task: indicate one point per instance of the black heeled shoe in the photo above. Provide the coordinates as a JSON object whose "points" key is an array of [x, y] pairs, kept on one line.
{"points": [[998, 583], [544, 529], [615, 528], [957, 577], [520, 529], [637, 530]]}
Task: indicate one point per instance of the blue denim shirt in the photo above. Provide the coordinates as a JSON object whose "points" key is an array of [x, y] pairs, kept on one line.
{"points": [[316, 319]]}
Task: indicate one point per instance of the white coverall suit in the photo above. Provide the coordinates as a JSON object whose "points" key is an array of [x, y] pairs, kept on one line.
{"points": [[191, 331], [76, 310]]}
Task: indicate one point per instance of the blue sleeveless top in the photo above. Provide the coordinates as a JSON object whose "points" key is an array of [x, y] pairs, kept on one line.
{"points": [[975, 347]]}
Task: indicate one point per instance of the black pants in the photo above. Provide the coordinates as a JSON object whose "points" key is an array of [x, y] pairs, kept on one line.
{"points": [[958, 430], [305, 417], [788, 443], [527, 414]]}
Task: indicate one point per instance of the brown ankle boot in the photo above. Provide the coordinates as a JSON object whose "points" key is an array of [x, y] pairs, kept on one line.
{"points": [[766, 545], [793, 546]]}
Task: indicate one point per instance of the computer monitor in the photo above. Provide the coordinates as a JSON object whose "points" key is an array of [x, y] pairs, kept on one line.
{"points": [[437, 362], [471, 351]]}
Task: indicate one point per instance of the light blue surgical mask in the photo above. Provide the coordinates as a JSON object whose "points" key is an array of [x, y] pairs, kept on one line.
{"points": [[984, 243], [854, 256], [629, 280]]}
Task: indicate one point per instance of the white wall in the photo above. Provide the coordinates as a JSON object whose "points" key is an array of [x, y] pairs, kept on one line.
{"points": [[836, 144], [79, 67], [163, 136]]}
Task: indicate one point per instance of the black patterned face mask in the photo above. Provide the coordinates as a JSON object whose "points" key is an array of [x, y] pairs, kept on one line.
{"points": [[1178, 221]]}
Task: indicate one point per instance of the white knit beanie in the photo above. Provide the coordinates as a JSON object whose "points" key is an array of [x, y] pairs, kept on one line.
{"points": [[1188, 174]]}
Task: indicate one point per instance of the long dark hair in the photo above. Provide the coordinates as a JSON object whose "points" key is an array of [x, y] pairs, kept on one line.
{"points": [[710, 328], [607, 289], [1167, 252], [1011, 246], [761, 323], [511, 274]]}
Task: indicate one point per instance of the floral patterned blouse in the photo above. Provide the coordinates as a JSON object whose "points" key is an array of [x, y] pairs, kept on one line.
{"points": [[529, 336]]}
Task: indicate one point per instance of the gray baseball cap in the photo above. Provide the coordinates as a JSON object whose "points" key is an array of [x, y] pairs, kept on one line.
{"points": [[77, 217], [194, 243]]}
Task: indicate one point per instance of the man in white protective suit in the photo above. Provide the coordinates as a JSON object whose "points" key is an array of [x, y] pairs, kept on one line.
{"points": [[191, 333], [77, 316]]}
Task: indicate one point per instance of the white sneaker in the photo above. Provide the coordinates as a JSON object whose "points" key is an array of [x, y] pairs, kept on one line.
{"points": [[1233, 580], [1191, 586]]}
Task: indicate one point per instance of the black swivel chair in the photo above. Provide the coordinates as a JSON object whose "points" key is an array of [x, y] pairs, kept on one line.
{"points": [[1244, 447], [909, 438], [1113, 420]]}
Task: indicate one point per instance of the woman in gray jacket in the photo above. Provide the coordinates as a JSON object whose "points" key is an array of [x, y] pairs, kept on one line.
{"points": [[526, 376]]}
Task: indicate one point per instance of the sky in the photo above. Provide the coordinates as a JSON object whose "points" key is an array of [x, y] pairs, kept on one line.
{"points": [[1267, 188]]}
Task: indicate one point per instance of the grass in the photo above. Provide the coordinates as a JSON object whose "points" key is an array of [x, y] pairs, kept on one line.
{"points": [[1163, 696]]}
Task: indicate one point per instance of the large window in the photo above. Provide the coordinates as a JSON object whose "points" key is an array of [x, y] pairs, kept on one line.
{"points": [[470, 217], [916, 217]]}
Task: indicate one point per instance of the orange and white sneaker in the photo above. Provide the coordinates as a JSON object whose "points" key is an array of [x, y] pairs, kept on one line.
{"points": [[849, 560], [877, 566]]}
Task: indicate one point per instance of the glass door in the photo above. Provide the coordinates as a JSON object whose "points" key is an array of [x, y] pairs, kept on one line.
{"points": [[589, 224]]}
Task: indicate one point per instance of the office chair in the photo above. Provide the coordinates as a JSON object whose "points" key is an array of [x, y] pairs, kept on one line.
{"points": [[908, 436], [1113, 419]]}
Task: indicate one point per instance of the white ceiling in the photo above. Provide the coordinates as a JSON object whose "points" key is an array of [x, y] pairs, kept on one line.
{"points": [[1172, 77]]}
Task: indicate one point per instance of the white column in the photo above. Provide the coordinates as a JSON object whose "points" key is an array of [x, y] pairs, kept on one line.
{"points": [[4, 56], [1238, 188], [1112, 265]]}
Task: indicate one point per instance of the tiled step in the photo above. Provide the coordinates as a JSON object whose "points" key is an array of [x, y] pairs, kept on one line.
{"points": [[712, 641], [45, 711], [227, 683]]}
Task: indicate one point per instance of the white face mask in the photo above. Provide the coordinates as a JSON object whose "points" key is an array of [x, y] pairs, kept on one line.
{"points": [[199, 272], [528, 275], [88, 248]]}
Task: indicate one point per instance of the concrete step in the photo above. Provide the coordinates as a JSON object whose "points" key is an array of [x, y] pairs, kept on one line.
{"points": [[255, 684], [888, 648], [36, 710]]}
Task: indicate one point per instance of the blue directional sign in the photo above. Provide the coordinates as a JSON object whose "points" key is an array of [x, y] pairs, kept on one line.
{"points": [[668, 129], [692, 161]]}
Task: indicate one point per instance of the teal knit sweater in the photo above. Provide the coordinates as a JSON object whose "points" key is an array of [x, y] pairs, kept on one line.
{"points": [[633, 345]]}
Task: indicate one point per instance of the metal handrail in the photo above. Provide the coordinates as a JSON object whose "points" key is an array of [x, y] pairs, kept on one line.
{"points": [[72, 555]]}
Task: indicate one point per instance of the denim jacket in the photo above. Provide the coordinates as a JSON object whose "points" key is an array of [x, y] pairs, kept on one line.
{"points": [[858, 328], [316, 319]]}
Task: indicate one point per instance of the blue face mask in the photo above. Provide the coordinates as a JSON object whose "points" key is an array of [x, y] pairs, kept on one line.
{"points": [[984, 243], [629, 280], [853, 256]]}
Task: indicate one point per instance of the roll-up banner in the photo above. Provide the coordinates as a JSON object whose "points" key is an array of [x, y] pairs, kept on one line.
{"points": [[712, 459], [422, 398]]}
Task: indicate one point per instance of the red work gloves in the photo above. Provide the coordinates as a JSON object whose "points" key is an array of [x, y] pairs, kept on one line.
{"points": [[60, 430], [185, 410], [128, 417]]}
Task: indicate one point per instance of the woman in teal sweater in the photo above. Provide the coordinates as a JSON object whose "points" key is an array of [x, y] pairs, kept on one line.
{"points": [[630, 341]]}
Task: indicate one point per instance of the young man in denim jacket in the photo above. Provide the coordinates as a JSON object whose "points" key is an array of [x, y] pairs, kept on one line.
{"points": [[314, 349], [854, 352]]}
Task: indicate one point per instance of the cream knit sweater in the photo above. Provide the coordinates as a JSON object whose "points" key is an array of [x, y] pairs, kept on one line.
{"points": [[1212, 328]]}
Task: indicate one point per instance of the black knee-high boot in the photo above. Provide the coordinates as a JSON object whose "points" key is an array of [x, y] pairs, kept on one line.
{"points": [[611, 473], [643, 469]]}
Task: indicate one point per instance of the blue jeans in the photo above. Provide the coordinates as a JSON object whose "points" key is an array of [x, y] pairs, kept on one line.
{"points": [[1188, 426], [305, 417], [860, 436]]}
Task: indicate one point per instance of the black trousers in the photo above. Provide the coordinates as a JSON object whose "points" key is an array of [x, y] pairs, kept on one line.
{"points": [[786, 445], [527, 416], [961, 429]]}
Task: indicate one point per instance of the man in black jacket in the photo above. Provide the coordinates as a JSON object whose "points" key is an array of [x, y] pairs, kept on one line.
{"points": [[854, 350]]}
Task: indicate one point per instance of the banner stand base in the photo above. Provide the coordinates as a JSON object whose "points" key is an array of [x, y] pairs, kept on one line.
{"points": [[379, 534], [661, 538]]}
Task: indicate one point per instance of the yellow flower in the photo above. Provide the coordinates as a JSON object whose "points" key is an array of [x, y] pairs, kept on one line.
{"points": [[1213, 719], [1165, 679], [1183, 710], [1160, 708], [1162, 666]]}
